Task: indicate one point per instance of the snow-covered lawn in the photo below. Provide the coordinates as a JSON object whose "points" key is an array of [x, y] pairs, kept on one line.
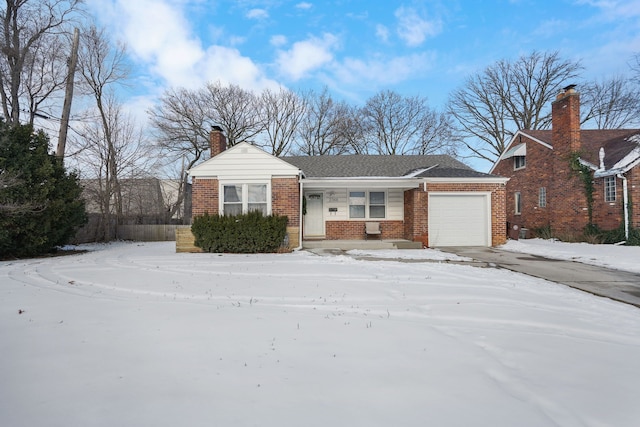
{"points": [[136, 335], [625, 258]]}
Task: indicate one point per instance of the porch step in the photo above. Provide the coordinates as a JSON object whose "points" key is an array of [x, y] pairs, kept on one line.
{"points": [[346, 245]]}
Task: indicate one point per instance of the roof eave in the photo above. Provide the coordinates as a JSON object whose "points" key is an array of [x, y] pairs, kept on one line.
{"points": [[467, 180]]}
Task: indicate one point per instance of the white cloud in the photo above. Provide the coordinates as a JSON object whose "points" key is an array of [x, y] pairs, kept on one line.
{"points": [[278, 40], [382, 70], [382, 33], [257, 14], [307, 55], [413, 29], [229, 66], [162, 42], [304, 6]]}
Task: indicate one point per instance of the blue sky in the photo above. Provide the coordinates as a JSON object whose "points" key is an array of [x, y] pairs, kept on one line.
{"points": [[357, 48]]}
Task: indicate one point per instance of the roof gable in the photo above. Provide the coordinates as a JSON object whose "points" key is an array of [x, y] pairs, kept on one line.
{"points": [[621, 146], [245, 161]]}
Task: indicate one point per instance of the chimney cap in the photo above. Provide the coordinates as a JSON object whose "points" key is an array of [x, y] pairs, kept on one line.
{"points": [[216, 128], [569, 88]]}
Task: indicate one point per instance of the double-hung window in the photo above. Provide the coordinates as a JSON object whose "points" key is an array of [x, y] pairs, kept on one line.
{"points": [[357, 204], [377, 205], [519, 162], [242, 198], [609, 188], [367, 204]]}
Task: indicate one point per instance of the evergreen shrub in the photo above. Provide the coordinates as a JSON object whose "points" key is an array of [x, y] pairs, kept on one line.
{"points": [[247, 233]]}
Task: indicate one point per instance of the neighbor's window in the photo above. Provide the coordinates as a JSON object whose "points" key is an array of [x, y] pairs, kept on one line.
{"points": [[518, 200], [542, 197], [367, 204], [243, 198], [357, 201], [376, 204], [610, 189], [519, 162]]}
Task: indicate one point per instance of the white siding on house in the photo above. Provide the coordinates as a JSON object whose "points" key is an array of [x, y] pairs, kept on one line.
{"points": [[337, 198], [244, 162]]}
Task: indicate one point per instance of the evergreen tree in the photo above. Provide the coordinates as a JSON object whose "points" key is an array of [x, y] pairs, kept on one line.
{"points": [[40, 202]]}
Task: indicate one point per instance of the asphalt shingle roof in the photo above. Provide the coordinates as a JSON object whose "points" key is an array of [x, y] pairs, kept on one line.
{"points": [[359, 165], [617, 143]]}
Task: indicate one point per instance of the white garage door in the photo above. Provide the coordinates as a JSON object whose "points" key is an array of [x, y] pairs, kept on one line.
{"points": [[457, 219]]}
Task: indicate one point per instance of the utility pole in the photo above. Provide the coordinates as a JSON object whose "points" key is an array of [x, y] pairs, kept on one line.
{"points": [[66, 109]]}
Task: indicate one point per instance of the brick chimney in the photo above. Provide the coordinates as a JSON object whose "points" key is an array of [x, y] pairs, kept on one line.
{"points": [[217, 141], [565, 121]]}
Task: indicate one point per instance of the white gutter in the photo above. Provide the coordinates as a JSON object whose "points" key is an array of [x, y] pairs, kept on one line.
{"points": [[301, 221], [625, 198]]}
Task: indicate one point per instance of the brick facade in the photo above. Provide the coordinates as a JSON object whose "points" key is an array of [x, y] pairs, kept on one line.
{"points": [[285, 199], [498, 213], [416, 216], [566, 210], [354, 230], [204, 196]]}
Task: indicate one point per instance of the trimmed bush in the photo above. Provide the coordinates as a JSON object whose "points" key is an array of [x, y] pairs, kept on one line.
{"points": [[247, 233]]}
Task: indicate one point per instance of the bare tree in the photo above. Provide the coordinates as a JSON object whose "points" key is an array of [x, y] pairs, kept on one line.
{"points": [[610, 103], [233, 109], [115, 150], [634, 64], [350, 131], [394, 124], [29, 54], [282, 111], [493, 104], [321, 129], [115, 145], [182, 129]]}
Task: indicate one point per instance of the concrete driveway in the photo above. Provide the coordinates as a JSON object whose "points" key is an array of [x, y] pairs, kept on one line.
{"points": [[614, 284]]}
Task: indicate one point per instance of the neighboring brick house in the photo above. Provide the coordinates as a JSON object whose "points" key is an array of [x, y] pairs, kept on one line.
{"points": [[434, 200], [546, 188]]}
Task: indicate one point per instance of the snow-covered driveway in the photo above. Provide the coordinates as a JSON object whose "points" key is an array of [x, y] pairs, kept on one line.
{"points": [[134, 334]]}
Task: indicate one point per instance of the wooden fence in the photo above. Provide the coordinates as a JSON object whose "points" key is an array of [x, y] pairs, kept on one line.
{"points": [[148, 233]]}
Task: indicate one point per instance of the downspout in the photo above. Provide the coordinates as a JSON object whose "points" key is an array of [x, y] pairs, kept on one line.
{"points": [[300, 215], [625, 198]]}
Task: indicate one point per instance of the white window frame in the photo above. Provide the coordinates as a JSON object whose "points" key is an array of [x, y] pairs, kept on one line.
{"points": [[517, 198], [542, 197], [365, 201], [610, 190], [245, 195], [519, 164]]}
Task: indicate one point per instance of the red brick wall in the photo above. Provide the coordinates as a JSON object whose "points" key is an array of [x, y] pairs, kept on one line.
{"points": [[204, 196], [607, 215], [498, 214], [567, 208], [633, 178], [285, 199], [217, 142], [565, 123], [416, 216], [537, 173], [354, 230]]}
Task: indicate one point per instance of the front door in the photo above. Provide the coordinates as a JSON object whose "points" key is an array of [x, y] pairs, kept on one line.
{"points": [[314, 220]]}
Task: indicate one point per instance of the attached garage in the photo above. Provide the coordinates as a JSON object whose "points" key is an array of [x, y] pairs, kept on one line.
{"points": [[459, 219]]}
